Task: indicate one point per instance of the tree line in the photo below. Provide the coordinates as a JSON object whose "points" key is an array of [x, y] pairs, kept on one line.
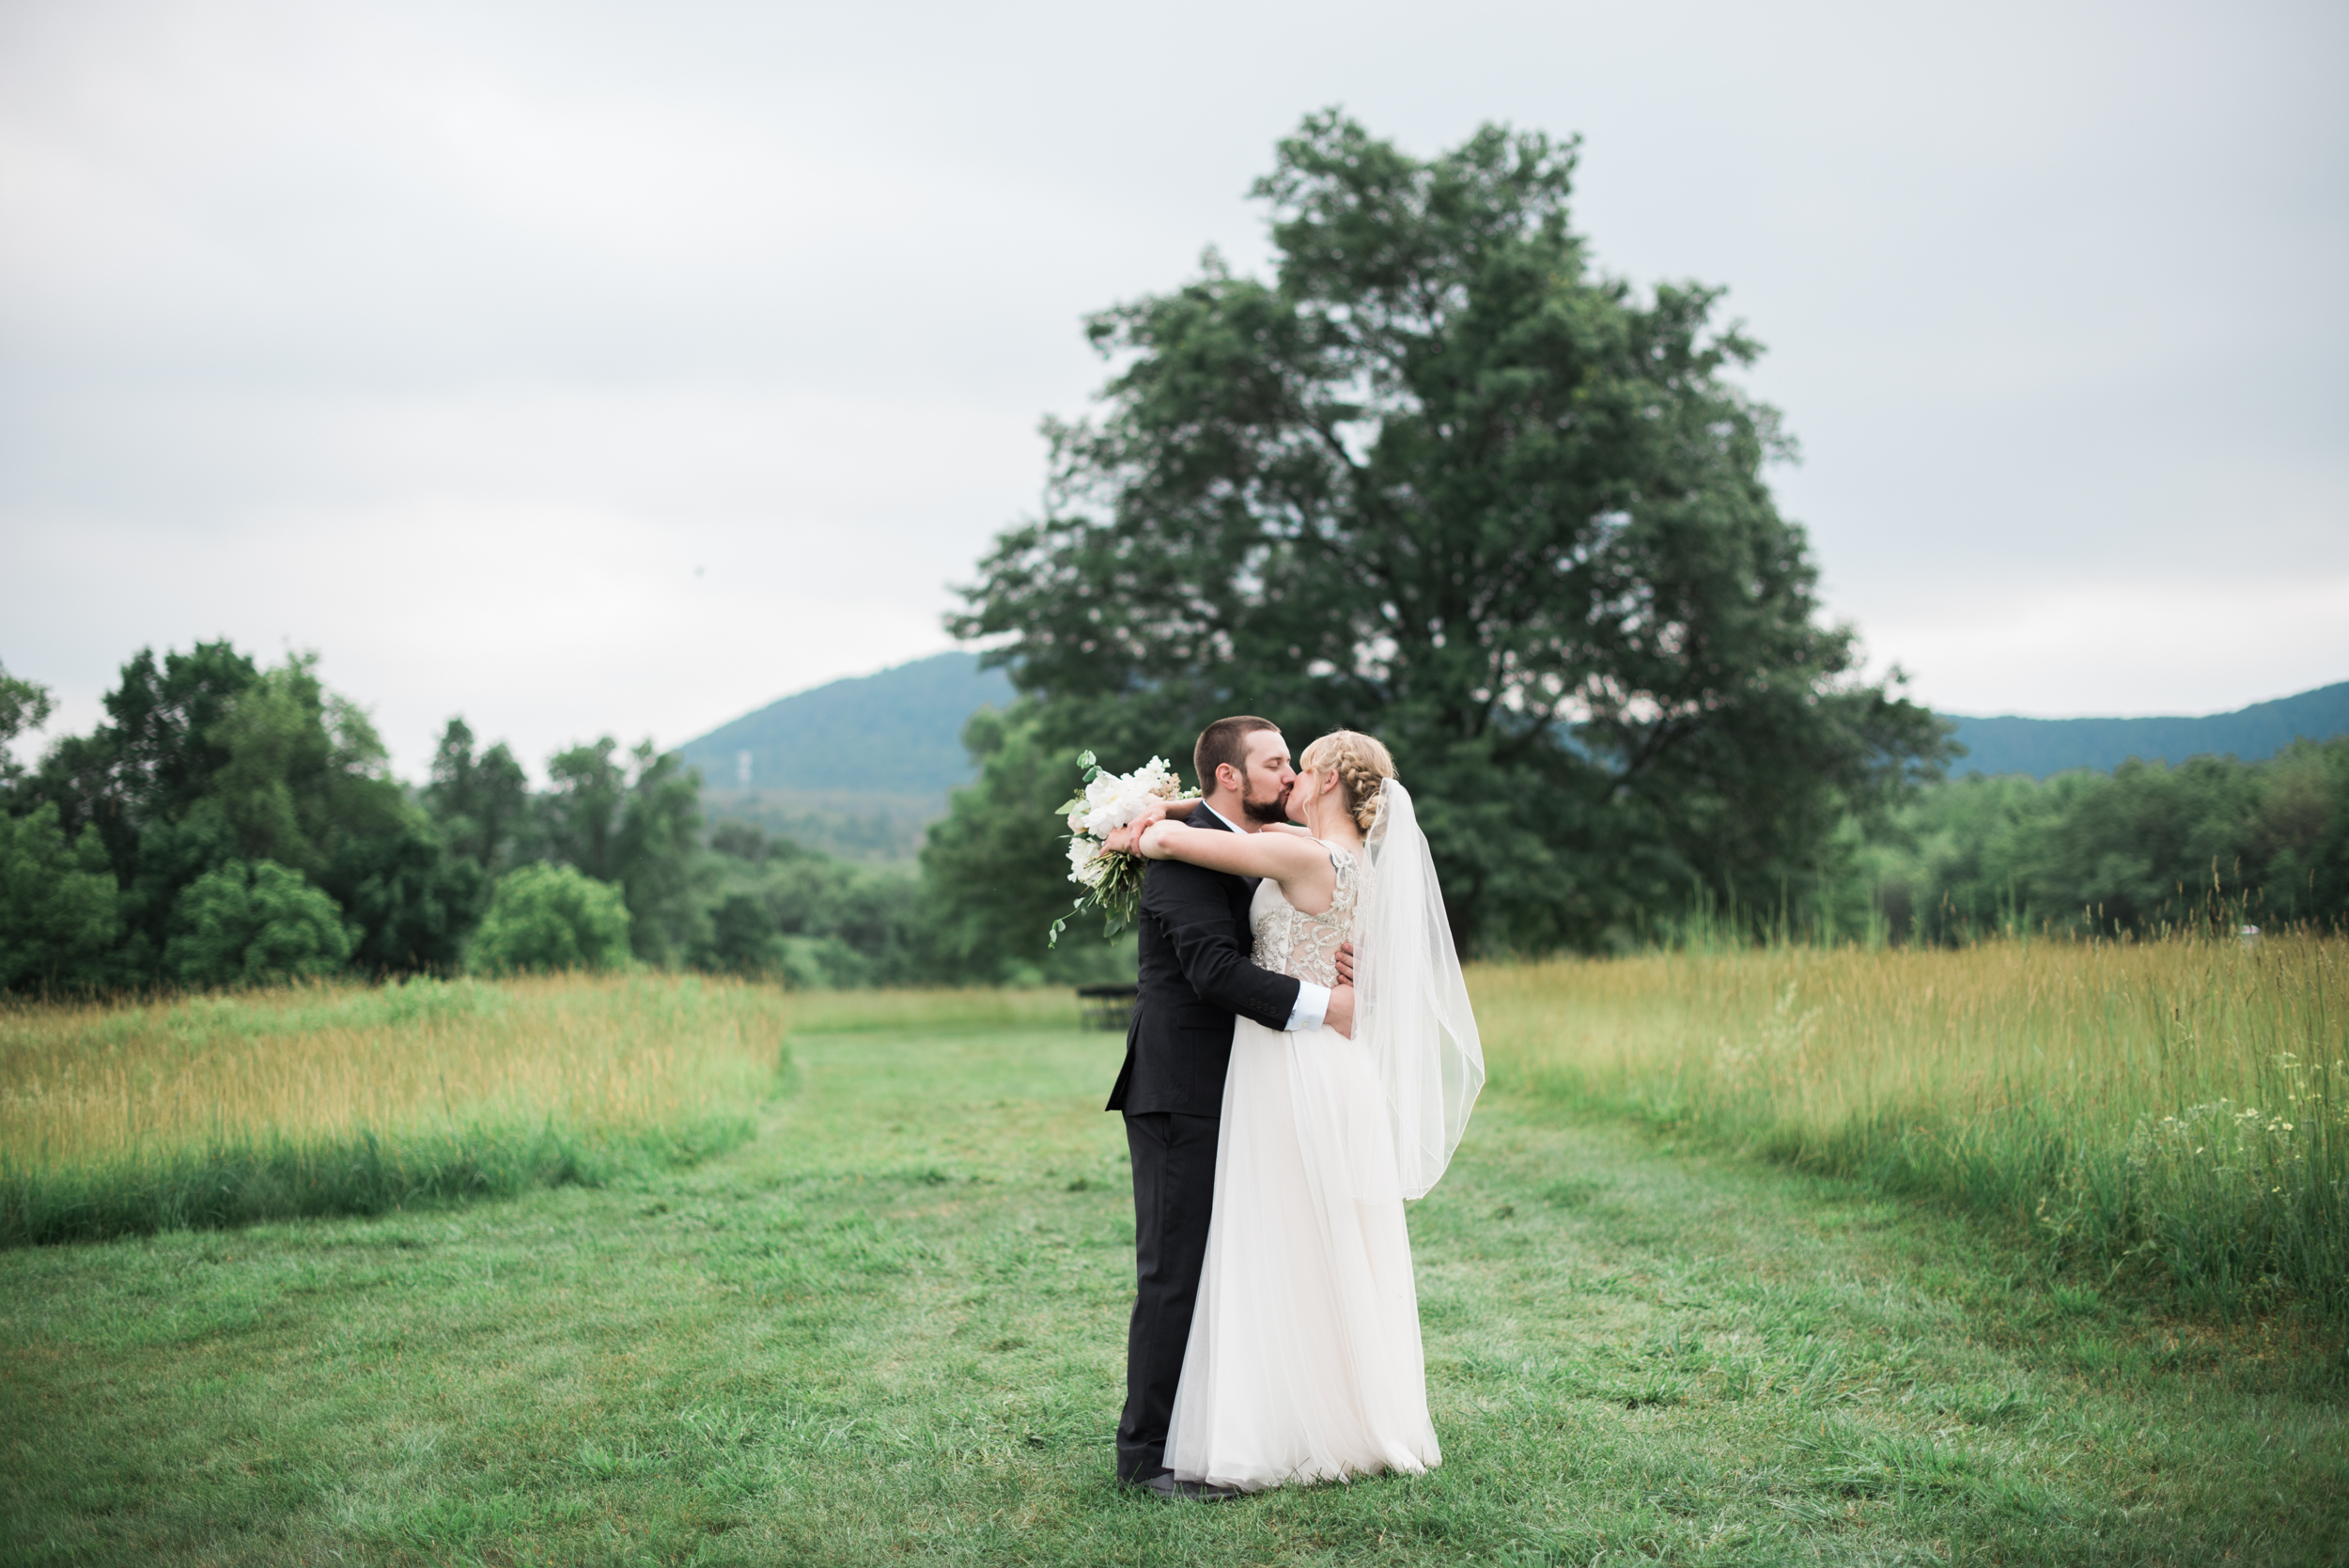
{"points": [[2133, 850], [229, 824]]}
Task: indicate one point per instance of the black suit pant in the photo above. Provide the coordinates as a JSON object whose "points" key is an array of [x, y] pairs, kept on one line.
{"points": [[1174, 1159]]}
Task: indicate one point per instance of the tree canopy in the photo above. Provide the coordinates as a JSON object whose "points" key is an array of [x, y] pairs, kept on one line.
{"points": [[481, 802], [211, 767], [635, 821], [2142, 846], [1437, 480], [229, 824]]}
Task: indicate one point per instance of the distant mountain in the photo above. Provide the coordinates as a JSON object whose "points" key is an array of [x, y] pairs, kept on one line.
{"points": [[2042, 746], [857, 768], [896, 733]]}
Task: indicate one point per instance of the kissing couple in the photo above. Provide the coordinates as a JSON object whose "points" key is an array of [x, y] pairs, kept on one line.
{"points": [[1302, 1060]]}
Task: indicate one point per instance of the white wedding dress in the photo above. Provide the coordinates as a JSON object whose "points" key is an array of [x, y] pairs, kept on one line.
{"points": [[1304, 1362]]}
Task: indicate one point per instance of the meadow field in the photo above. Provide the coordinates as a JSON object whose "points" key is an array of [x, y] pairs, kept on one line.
{"points": [[353, 1099], [2174, 1114], [2016, 1253]]}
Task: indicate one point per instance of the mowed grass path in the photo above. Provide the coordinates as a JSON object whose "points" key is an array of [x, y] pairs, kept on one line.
{"points": [[890, 1330]]}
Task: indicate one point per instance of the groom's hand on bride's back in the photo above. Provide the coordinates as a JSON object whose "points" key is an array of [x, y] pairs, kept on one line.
{"points": [[1340, 1015], [1346, 963]]}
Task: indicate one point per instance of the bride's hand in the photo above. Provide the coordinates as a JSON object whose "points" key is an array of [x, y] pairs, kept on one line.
{"points": [[1125, 841]]}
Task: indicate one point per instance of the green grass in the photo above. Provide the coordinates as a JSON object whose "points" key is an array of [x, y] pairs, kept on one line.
{"points": [[890, 1329], [240, 1180], [2170, 1115]]}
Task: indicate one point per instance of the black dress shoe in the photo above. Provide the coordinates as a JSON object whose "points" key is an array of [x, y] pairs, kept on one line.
{"points": [[1166, 1486]]}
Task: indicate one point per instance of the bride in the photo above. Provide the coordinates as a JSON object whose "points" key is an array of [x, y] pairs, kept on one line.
{"points": [[1304, 1362]]}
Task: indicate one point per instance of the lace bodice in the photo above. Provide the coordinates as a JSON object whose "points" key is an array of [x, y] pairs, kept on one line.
{"points": [[1304, 945]]}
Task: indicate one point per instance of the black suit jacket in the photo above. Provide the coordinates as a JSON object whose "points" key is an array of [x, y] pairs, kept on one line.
{"points": [[1195, 975]]}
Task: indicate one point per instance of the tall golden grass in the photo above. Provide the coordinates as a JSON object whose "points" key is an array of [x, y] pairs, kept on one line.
{"points": [[2174, 1106], [89, 1084], [344, 1099], [347, 1098]]}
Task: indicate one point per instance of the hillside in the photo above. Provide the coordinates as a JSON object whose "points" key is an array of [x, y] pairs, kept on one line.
{"points": [[2040, 747], [856, 768], [896, 733]]}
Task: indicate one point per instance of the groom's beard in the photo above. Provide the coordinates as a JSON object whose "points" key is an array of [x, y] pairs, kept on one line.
{"points": [[1264, 812]]}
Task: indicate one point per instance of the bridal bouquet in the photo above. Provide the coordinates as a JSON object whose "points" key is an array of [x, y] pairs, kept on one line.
{"points": [[1113, 883]]}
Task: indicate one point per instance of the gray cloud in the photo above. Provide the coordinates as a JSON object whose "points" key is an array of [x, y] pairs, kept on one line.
{"points": [[453, 340]]}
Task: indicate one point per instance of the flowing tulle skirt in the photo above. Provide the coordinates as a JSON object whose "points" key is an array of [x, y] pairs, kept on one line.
{"points": [[1304, 1362]]}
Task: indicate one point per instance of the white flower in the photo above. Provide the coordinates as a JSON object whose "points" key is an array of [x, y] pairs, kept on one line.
{"points": [[1106, 802], [1111, 800], [1087, 863]]}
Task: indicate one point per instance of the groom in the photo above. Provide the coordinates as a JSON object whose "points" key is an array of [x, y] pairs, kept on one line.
{"points": [[1195, 975]]}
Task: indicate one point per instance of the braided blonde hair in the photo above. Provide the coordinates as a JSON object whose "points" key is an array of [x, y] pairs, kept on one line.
{"points": [[1361, 764]]}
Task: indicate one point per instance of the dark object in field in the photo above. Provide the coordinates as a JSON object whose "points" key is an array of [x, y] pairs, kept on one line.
{"points": [[1107, 1006]]}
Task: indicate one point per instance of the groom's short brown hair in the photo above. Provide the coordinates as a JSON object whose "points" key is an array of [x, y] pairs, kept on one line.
{"points": [[1225, 740]]}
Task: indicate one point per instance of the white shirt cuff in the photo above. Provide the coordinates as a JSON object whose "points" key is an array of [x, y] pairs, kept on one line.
{"points": [[1313, 1005]]}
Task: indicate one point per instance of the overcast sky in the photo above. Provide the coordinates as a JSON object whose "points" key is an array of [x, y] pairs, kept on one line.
{"points": [[585, 368]]}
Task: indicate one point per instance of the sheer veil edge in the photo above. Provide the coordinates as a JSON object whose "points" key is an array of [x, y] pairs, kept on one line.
{"points": [[1411, 999]]}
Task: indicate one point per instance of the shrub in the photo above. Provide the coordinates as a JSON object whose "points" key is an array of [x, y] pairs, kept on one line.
{"points": [[252, 922], [552, 917]]}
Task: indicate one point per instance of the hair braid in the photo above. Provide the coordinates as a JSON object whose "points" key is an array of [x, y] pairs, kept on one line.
{"points": [[1362, 764]]}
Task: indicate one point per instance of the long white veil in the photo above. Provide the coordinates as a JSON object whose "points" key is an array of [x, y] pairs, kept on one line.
{"points": [[1411, 1001]]}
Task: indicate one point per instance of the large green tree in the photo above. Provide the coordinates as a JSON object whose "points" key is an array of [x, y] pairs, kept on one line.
{"points": [[1438, 480]]}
